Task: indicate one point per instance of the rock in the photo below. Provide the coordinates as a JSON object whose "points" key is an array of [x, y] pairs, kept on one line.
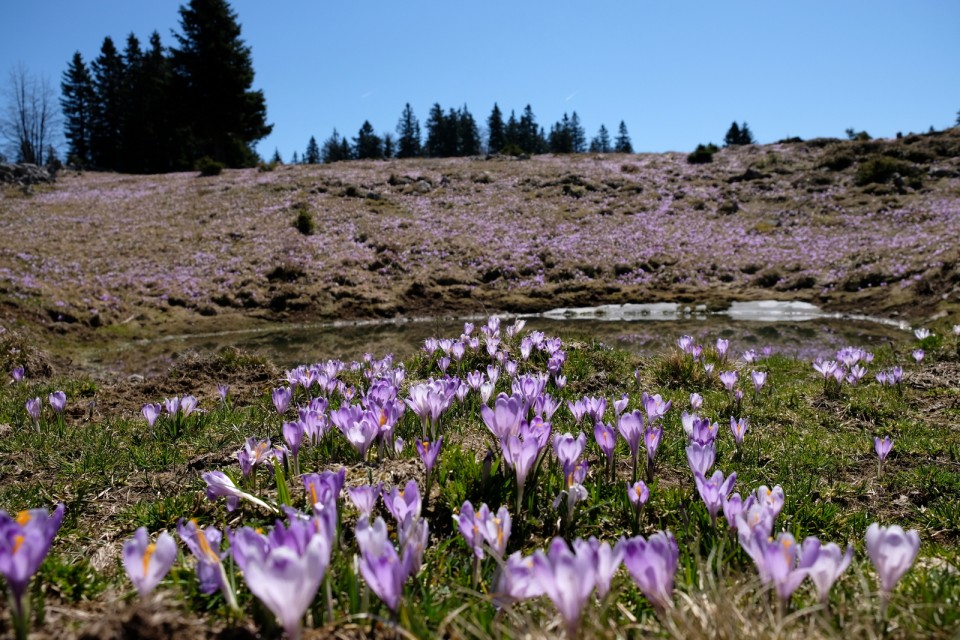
{"points": [[24, 174]]}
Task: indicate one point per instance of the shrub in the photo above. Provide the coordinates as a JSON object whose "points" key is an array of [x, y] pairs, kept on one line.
{"points": [[838, 160], [702, 154], [207, 166], [304, 223], [880, 169]]}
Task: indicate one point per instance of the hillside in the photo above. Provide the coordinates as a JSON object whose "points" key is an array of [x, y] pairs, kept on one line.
{"points": [[865, 226]]}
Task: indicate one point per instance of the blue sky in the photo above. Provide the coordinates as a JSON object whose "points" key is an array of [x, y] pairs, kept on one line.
{"points": [[677, 72]]}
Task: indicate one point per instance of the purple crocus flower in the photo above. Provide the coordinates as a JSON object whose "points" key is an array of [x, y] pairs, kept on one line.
{"points": [[892, 552], [619, 406], [25, 540], [651, 440], [701, 457], [293, 433], [630, 426], [404, 502], [187, 405], [380, 564], [33, 409], [520, 455], [468, 523], [759, 379], [606, 438], [780, 565], [495, 529], [722, 346], [504, 419], [882, 447], [254, 453], [654, 406], [281, 399], [364, 498], [824, 564], [16, 374], [286, 573], [172, 405], [567, 577], [739, 428], [568, 449], [219, 485], [151, 411], [728, 379], [918, 355], [652, 563], [361, 433], [58, 401], [771, 499], [578, 408], [732, 507], [323, 489], [702, 431], [223, 390], [428, 452], [145, 562], [638, 493], [516, 580], [596, 407], [205, 546], [696, 401], [714, 490], [608, 560]]}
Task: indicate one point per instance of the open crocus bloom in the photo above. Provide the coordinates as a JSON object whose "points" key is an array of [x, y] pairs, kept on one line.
{"points": [[145, 562]]}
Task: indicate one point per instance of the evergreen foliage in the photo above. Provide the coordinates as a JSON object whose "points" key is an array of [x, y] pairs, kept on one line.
{"points": [[108, 80], [496, 133], [367, 145], [335, 149], [389, 146], [408, 130], [312, 154], [468, 134], [601, 142], [622, 144], [77, 102], [738, 135]]}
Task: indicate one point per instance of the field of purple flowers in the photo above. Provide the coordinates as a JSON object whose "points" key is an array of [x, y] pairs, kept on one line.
{"points": [[815, 221], [500, 483]]}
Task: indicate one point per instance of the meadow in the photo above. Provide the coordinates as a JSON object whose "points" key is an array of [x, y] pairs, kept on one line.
{"points": [[500, 483]]}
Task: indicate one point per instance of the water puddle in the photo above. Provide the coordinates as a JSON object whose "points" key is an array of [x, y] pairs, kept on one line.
{"points": [[795, 328]]}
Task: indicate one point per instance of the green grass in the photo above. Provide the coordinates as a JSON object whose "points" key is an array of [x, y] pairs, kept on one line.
{"points": [[114, 475]]}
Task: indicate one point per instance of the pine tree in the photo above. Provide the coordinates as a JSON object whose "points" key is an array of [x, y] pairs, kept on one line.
{"points": [[468, 135], [214, 70], [312, 154], [746, 136], [408, 130], [496, 136], [332, 150], [531, 141], [622, 144], [276, 159], [367, 144], [560, 139], [77, 103], [295, 159], [108, 81], [156, 101], [511, 135], [601, 142]]}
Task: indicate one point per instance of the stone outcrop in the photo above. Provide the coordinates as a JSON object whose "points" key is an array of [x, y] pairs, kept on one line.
{"points": [[24, 174]]}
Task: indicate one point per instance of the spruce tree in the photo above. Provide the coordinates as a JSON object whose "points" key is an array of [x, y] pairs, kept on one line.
{"points": [[601, 142], [746, 136], [496, 135], [733, 135], [408, 130], [156, 102], [468, 135], [436, 132], [312, 154], [77, 103], [276, 159], [622, 144], [224, 117], [389, 146], [367, 144], [560, 139], [108, 81], [578, 137], [531, 141], [511, 134]]}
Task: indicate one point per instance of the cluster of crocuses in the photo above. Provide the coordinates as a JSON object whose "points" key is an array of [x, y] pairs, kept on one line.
{"points": [[848, 367], [177, 410], [34, 406]]}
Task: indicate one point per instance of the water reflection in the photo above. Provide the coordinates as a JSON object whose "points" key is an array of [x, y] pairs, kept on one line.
{"points": [[811, 336]]}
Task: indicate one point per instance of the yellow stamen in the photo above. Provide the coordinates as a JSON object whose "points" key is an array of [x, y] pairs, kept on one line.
{"points": [[147, 553], [313, 494], [204, 543], [497, 522], [23, 518], [637, 489], [383, 417], [17, 542]]}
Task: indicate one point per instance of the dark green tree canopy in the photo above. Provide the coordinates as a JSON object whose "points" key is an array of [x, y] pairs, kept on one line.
{"points": [[496, 133], [622, 144], [213, 69], [601, 142], [408, 130], [367, 144], [77, 101], [312, 154], [738, 134]]}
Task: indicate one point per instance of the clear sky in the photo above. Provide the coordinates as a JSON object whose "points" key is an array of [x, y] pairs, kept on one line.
{"points": [[677, 72]]}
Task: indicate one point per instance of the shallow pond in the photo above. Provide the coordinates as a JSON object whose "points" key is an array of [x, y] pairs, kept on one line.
{"points": [[796, 329]]}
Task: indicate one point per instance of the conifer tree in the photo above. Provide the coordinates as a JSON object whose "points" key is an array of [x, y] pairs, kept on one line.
{"points": [[511, 134], [578, 137], [214, 70], [468, 135], [746, 136], [733, 135], [622, 144], [77, 103], [367, 144], [276, 159], [155, 100], [295, 159], [560, 139], [531, 140], [389, 146], [108, 81], [312, 154], [408, 130], [496, 135], [436, 132], [601, 142]]}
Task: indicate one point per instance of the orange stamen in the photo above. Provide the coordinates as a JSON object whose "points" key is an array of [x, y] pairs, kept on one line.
{"points": [[148, 552], [23, 518]]}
